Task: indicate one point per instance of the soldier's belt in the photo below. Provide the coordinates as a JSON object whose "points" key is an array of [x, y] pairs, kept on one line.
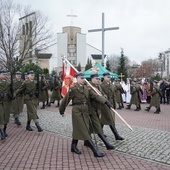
{"points": [[83, 103]]}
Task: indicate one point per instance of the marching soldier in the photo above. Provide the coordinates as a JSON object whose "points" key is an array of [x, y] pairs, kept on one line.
{"points": [[18, 102], [4, 86], [95, 114], [42, 90], [30, 88], [107, 116], [135, 98], [156, 93], [7, 100], [119, 92], [56, 92], [80, 96]]}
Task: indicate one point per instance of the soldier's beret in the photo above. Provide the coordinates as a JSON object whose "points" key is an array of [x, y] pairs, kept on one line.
{"points": [[31, 72], [94, 76], [155, 81], [80, 74], [134, 80], [106, 74], [18, 73]]}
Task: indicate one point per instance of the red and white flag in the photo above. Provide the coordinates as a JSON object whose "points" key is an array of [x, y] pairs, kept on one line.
{"points": [[68, 78]]}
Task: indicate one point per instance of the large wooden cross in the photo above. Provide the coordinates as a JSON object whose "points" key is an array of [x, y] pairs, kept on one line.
{"points": [[103, 30], [121, 76]]}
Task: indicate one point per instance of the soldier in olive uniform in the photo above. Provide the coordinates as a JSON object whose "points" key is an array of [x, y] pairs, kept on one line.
{"points": [[135, 98], [156, 93], [7, 102], [108, 116], [56, 91], [80, 96], [30, 88], [42, 90], [3, 86], [95, 114], [18, 102], [119, 92]]}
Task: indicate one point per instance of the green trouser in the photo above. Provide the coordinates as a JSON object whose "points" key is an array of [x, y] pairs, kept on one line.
{"points": [[7, 110], [17, 106], [2, 118], [31, 109]]}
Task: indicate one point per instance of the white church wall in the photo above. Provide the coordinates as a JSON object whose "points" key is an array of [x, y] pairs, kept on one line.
{"points": [[81, 49]]}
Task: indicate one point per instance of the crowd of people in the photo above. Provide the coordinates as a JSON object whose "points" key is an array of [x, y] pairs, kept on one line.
{"points": [[91, 100]]}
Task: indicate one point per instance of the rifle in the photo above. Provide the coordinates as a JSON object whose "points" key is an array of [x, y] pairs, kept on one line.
{"points": [[11, 85], [37, 87]]}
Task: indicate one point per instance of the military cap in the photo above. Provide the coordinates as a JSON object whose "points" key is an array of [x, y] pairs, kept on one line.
{"points": [[155, 81], [80, 74], [106, 74], [2, 72], [31, 72], [18, 73], [26, 74], [94, 76]]}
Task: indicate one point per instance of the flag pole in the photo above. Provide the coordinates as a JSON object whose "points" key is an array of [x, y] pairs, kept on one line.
{"points": [[64, 58]]}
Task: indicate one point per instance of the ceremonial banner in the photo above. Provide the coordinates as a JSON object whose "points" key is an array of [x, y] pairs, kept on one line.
{"points": [[68, 73]]}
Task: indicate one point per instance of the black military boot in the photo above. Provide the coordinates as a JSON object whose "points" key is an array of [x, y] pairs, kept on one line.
{"points": [[28, 127], [74, 147], [49, 104], [43, 106], [105, 141], [2, 134], [157, 111], [95, 150], [115, 132], [17, 121], [128, 106], [5, 126], [137, 108], [147, 108], [119, 108], [58, 105], [38, 127]]}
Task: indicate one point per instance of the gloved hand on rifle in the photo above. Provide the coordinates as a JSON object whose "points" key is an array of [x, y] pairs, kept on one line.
{"points": [[108, 104]]}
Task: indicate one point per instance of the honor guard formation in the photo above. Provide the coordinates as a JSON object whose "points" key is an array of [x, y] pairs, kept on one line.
{"points": [[93, 102]]}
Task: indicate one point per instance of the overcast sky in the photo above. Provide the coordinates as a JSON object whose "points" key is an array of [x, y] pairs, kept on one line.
{"points": [[144, 24]]}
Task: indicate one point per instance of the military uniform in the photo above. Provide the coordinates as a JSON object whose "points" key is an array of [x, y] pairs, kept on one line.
{"points": [[95, 115], [18, 102], [135, 98], [156, 93], [80, 96], [42, 91], [108, 116], [5, 97], [56, 92], [29, 87], [119, 92]]}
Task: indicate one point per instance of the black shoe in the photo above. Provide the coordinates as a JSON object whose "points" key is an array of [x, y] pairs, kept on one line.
{"points": [[43, 107], [5, 126], [106, 142], [137, 109], [17, 122], [115, 132], [28, 127], [39, 127], [74, 147], [95, 150], [2, 134]]}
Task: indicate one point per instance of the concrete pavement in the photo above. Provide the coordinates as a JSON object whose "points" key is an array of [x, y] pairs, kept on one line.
{"points": [[146, 147]]}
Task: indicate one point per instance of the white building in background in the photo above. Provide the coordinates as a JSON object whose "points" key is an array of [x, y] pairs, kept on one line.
{"points": [[165, 64], [72, 44]]}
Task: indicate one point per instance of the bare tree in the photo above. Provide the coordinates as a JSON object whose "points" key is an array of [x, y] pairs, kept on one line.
{"points": [[22, 31]]}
